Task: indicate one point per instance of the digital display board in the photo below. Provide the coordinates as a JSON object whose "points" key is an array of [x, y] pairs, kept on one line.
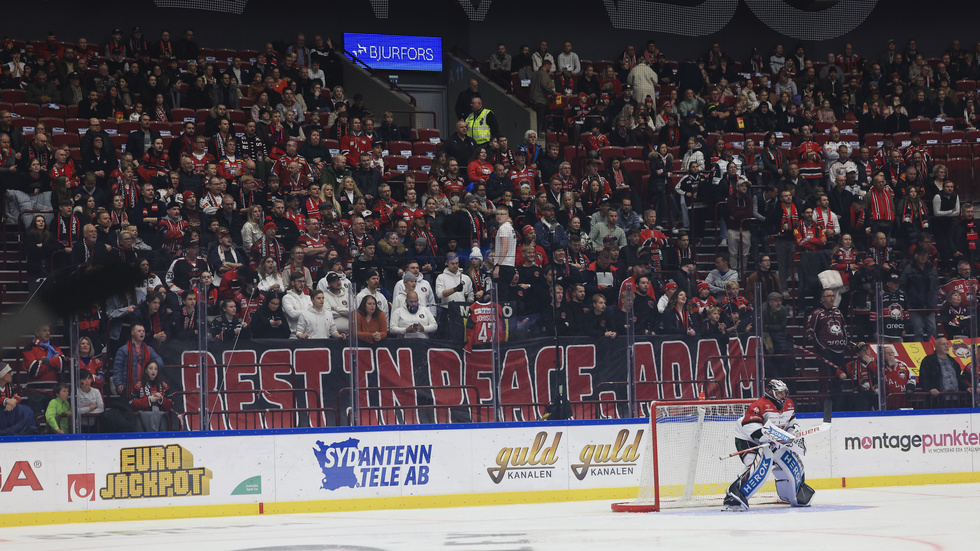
{"points": [[388, 51]]}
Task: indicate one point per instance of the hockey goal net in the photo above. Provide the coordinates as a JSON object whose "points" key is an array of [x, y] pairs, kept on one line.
{"points": [[683, 468]]}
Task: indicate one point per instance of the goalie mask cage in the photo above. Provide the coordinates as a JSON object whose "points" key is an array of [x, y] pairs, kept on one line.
{"points": [[682, 467]]}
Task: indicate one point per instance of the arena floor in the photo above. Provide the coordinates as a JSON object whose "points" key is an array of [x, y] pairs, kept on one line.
{"points": [[897, 519]]}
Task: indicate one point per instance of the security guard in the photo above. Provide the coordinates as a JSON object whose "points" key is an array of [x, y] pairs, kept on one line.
{"points": [[481, 124]]}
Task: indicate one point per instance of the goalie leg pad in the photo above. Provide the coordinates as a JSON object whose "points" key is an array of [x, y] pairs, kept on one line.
{"points": [[750, 481], [789, 475]]}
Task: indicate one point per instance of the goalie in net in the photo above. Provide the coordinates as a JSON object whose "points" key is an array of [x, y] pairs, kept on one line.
{"points": [[765, 435]]}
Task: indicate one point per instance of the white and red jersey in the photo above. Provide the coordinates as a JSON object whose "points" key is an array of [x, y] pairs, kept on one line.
{"points": [[154, 165], [810, 168], [247, 306], [292, 183], [826, 328], [485, 320], [281, 167], [453, 187], [298, 218], [568, 184], [200, 160], [231, 169], [699, 304], [312, 207], [969, 288], [655, 240], [68, 171], [525, 177], [764, 411], [842, 262], [173, 233], [352, 146], [210, 202], [897, 377], [862, 372]]}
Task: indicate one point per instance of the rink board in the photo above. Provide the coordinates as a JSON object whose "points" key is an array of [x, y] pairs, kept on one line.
{"points": [[56, 479]]}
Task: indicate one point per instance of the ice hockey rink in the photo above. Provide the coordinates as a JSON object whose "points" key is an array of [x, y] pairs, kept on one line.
{"points": [[895, 518]]}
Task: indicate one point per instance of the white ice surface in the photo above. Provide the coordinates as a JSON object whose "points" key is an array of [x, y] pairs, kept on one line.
{"points": [[896, 519]]}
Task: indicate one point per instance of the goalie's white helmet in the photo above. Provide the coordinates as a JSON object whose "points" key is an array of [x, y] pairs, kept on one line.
{"points": [[774, 387]]}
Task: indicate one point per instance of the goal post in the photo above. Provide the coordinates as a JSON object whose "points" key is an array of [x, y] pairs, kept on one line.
{"points": [[682, 466]]}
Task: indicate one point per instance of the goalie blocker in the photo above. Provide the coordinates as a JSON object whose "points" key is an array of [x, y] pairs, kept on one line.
{"points": [[765, 436]]}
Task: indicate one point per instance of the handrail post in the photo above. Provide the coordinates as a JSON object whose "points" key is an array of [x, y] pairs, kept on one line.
{"points": [[352, 350], [760, 365], [202, 357], [498, 412]]}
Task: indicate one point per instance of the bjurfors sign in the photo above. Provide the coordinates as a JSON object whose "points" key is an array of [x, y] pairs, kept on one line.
{"points": [[396, 52]]}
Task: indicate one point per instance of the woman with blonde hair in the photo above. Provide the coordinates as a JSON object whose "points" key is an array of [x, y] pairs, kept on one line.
{"points": [[252, 229], [347, 194]]}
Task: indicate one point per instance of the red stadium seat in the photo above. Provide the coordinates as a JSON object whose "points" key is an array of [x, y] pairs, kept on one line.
{"points": [[400, 148], [54, 125], [734, 138], [873, 140], [419, 175], [930, 137], [245, 103], [236, 115], [397, 162], [181, 115], [72, 112], [54, 110], [23, 123], [333, 146], [248, 55], [901, 138], [922, 125], [953, 136], [428, 149], [966, 85], [62, 140], [225, 54], [27, 109], [420, 162], [428, 134], [606, 153], [636, 169], [633, 152], [125, 127], [119, 141], [76, 153], [201, 115], [73, 125], [960, 171], [13, 96], [959, 150]]}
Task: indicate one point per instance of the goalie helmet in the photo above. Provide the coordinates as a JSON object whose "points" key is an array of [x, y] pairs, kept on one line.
{"points": [[774, 386]]}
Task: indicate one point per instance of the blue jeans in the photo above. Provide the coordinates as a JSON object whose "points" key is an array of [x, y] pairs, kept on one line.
{"points": [[923, 325]]}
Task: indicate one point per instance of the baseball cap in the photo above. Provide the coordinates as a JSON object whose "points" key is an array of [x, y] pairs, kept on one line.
{"points": [[332, 276], [775, 296], [5, 369]]}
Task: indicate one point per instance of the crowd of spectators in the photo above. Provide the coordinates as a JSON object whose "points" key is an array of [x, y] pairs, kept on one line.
{"points": [[284, 236]]}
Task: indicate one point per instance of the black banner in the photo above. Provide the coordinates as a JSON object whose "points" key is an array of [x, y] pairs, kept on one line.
{"points": [[421, 381]]}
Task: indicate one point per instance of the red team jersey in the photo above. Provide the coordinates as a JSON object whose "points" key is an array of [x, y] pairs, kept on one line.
{"points": [[762, 411], [480, 325]]}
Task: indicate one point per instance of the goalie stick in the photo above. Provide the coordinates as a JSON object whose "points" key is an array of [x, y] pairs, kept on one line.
{"points": [[801, 434]]}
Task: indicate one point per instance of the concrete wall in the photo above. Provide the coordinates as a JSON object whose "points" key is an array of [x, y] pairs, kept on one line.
{"points": [[378, 97]]}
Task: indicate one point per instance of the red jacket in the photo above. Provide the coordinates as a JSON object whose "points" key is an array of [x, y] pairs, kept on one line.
{"points": [[39, 366]]}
